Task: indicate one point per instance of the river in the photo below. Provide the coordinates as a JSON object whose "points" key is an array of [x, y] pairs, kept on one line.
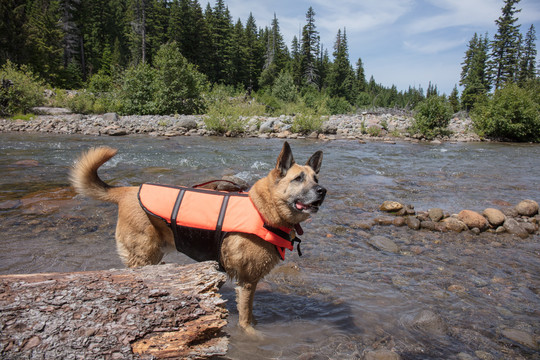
{"points": [[443, 295]]}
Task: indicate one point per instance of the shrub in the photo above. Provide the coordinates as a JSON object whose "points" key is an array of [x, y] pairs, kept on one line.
{"points": [[100, 83], [178, 85], [432, 116], [231, 114], [512, 113], [20, 89], [307, 123], [338, 105], [284, 88], [137, 91]]}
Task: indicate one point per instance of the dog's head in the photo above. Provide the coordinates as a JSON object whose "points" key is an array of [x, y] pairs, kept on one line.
{"points": [[295, 188]]}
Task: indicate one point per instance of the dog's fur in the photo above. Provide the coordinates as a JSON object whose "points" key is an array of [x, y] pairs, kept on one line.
{"points": [[287, 196]]}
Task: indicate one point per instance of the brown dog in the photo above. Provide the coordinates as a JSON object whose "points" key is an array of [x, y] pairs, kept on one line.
{"points": [[287, 196]]}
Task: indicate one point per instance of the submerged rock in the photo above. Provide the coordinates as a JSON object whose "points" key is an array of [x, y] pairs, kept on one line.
{"points": [[513, 227], [382, 243]]}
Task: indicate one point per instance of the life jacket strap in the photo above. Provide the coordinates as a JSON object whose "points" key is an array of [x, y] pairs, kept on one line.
{"points": [[286, 236]]}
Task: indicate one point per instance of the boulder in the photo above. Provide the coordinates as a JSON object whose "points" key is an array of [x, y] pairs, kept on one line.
{"points": [[267, 126], [413, 223], [527, 208], [187, 123], [495, 217], [391, 206], [513, 227], [473, 219], [110, 117], [436, 214], [454, 224]]}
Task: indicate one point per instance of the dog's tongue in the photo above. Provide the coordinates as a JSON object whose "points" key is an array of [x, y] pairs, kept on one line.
{"points": [[301, 206]]}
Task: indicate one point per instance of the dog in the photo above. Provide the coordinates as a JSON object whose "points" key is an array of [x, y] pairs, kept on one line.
{"points": [[287, 196]]}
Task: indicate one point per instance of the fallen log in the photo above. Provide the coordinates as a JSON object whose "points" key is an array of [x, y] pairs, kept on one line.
{"points": [[162, 311]]}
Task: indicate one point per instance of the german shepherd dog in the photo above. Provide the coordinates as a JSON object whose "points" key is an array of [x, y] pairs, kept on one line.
{"points": [[288, 195]]}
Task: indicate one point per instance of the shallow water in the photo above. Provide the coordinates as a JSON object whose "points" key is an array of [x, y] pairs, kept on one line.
{"points": [[343, 297]]}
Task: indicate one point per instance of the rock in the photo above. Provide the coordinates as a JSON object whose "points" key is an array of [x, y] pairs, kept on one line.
{"points": [[473, 219], [110, 117], [391, 206], [399, 221], [429, 322], [527, 208], [529, 227], [382, 243], [510, 212], [413, 223], [454, 224], [186, 122], [117, 132], [329, 127], [495, 217], [381, 355], [513, 227], [521, 337], [428, 225], [267, 126], [436, 214]]}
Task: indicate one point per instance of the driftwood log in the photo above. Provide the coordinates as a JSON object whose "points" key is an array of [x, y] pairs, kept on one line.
{"points": [[163, 311]]}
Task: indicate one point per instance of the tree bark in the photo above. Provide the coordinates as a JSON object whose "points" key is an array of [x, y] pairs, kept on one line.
{"points": [[162, 311]]}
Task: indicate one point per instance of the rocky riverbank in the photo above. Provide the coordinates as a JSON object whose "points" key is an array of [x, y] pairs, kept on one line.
{"points": [[519, 220], [364, 126]]}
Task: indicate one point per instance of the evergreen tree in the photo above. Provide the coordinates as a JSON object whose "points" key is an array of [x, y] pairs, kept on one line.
{"points": [[341, 79], [12, 31], [474, 73], [360, 77], [296, 62], [275, 56], [453, 99], [254, 53], [504, 47], [527, 64], [44, 39], [220, 24], [309, 50]]}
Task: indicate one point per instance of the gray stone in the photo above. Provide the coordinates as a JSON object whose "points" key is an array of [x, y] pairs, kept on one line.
{"points": [[267, 126], [110, 117], [381, 355], [430, 322], [187, 123], [513, 227], [413, 223], [436, 214], [382, 243], [521, 337]]}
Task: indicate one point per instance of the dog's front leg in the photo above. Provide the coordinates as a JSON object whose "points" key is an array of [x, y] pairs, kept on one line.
{"points": [[245, 293]]}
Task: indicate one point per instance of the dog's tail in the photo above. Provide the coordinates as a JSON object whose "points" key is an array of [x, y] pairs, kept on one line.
{"points": [[84, 177]]}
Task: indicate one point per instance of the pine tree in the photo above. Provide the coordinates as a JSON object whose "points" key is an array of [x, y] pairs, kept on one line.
{"points": [[220, 24], [254, 53], [453, 99], [504, 47], [309, 50], [474, 73], [360, 76], [527, 64], [341, 78], [296, 62]]}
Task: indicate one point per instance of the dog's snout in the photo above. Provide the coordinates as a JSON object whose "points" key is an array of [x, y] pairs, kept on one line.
{"points": [[320, 191]]}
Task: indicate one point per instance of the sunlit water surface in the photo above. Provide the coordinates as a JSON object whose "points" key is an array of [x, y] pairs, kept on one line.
{"points": [[342, 298]]}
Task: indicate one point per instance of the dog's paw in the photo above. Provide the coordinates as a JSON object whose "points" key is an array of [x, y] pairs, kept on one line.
{"points": [[252, 333]]}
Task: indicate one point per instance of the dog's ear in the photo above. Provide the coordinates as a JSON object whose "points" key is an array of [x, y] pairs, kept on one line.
{"points": [[285, 159], [315, 161]]}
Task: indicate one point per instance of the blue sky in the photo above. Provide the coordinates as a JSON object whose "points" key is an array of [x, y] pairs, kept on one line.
{"points": [[401, 42]]}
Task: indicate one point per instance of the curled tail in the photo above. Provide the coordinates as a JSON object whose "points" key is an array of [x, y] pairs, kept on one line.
{"points": [[84, 178]]}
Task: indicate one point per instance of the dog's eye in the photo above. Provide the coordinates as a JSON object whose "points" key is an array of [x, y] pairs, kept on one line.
{"points": [[299, 178]]}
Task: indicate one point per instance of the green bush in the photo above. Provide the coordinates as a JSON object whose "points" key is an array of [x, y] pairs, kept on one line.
{"points": [[178, 85], [100, 83], [338, 105], [432, 117], [231, 114], [307, 123], [284, 88], [513, 113], [20, 90], [137, 91]]}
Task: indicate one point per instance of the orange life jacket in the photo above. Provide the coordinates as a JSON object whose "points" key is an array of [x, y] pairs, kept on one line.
{"points": [[200, 219]]}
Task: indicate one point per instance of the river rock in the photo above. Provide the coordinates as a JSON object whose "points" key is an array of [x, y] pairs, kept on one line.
{"points": [[529, 227], [430, 322], [186, 122], [521, 337], [413, 223], [513, 227], [382, 243], [267, 126], [110, 117], [473, 219], [435, 214], [391, 206], [527, 208], [495, 217], [381, 355], [454, 224]]}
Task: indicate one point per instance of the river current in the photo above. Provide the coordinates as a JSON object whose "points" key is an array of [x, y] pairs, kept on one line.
{"points": [[442, 295]]}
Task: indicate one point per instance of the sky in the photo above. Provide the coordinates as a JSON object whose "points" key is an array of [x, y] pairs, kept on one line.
{"points": [[401, 42]]}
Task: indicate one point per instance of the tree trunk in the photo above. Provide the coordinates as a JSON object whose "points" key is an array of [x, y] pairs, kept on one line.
{"points": [[162, 311]]}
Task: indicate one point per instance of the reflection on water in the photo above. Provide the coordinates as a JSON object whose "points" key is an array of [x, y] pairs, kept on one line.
{"points": [[443, 295]]}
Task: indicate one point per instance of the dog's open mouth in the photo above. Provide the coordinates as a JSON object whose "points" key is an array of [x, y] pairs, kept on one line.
{"points": [[310, 208]]}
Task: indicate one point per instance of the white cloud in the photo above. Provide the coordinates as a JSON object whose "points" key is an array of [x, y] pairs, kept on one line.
{"points": [[434, 46]]}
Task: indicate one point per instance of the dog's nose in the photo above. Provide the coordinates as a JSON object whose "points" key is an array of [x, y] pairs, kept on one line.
{"points": [[321, 191]]}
